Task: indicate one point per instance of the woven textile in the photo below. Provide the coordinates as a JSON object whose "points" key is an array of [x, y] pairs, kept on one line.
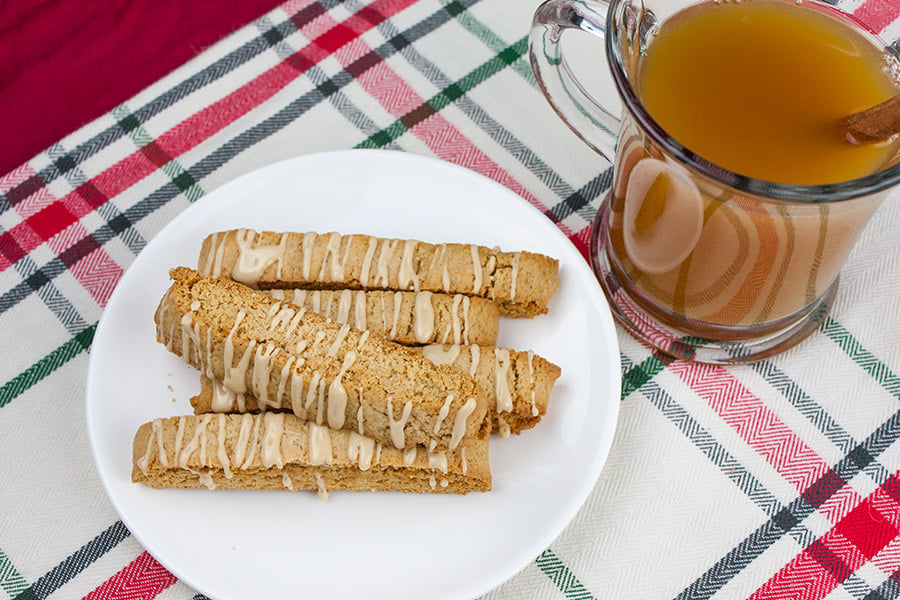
{"points": [[776, 480]]}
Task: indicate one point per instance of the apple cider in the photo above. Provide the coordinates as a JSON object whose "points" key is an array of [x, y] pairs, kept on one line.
{"points": [[758, 87]]}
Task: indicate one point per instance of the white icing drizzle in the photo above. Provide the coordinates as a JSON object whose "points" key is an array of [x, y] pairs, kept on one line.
{"points": [[262, 371], [322, 492], [283, 379], [207, 480], [279, 317], [424, 317], [514, 276], [155, 432], [179, 437], [466, 302], [337, 395], [359, 311], [362, 339], [213, 264], [361, 450], [271, 444], [332, 251], [438, 461], [312, 390], [409, 455], [476, 270], [252, 259], [491, 268], [384, 259], [309, 243], [444, 482], [207, 267], [534, 409], [231, 373], [286, 481], [367, 262], [240, 448], [320, 452], [398, 437], [407, 278], [463, 462], [208, 371], [504, 427], [475, 356], [297, 395], [348, 246], [338, 340], [278, 294], [345, 301], [441, 257], [501, 385], [190, 333], [359, 416], [223, 399], [320, 335], [441, 355], [294, 323], [459, 423], [442, 414], [220, 256], [253, 442], [220, 447], [398, 301]]}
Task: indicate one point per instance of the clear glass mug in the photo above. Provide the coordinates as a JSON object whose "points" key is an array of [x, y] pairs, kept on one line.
{"points": [[740, 269]]}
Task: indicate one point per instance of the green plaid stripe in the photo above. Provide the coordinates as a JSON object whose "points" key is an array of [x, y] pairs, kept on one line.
{"points": [[47, 365]]}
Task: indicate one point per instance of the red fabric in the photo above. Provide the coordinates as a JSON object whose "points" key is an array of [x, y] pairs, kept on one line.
{"points": [[65, 62]]}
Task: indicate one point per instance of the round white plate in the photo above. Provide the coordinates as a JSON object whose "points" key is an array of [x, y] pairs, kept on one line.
{"points": [[250, 544]]}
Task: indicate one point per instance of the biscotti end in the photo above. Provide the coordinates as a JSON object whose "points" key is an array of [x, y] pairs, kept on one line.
{"points": [[524, 283]]}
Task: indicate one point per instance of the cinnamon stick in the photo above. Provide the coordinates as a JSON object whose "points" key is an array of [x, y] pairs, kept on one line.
{"points": [[874, 124]]}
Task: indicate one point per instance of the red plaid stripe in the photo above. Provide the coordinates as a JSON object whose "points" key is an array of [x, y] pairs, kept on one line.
{"points": [[859, 537], [878, 14], [765, 432], [144, 577]]}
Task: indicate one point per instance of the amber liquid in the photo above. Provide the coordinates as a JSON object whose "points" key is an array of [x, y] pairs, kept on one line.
{"points": [[758, 87]]}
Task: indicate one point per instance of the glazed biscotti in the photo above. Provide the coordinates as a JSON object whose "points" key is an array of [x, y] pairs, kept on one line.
{"points": [[517, 385], [521, 283], [409, 318], [277, 451], [327, 372]]}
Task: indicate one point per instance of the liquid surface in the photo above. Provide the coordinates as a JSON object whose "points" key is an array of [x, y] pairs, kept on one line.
{"points": [[760, 87]]}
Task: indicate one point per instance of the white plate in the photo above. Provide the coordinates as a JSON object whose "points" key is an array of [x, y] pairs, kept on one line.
{"points": [[237, 544]]}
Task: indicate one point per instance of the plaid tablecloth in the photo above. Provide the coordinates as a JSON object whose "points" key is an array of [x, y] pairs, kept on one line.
{"points": [[776, 480]]}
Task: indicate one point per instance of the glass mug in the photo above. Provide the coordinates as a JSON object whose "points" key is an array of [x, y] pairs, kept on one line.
{"points": [[734, 269]]}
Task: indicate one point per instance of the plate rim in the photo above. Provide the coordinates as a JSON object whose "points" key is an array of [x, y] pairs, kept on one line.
{"points": [[597, 303]]}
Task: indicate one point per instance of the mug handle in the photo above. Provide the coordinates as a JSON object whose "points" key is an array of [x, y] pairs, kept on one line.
{"points": [[590, 121]]}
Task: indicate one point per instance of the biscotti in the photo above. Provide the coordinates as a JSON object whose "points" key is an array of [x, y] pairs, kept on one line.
{"points": [[517, 385], [409, 318], [521, 283], [275, 451], [327, 372]]}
